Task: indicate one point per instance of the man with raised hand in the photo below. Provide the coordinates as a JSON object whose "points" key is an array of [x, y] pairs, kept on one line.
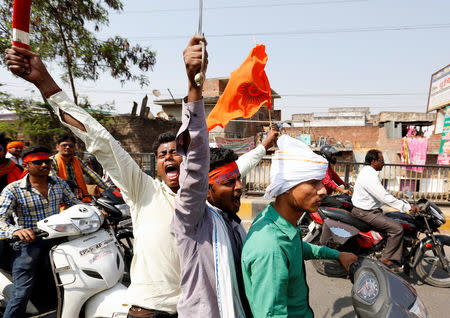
{"points": [[155, 269], [208, 233], [273, 255]]}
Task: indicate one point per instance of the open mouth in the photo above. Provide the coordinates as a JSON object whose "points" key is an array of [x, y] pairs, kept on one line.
{"points": [[172, 172]]}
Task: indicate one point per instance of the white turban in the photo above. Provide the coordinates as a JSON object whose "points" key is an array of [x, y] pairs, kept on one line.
{"points": [[293, 164]]}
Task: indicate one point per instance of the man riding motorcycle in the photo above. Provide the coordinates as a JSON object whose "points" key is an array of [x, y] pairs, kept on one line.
{"points": [[332, 181], [368, 198]]}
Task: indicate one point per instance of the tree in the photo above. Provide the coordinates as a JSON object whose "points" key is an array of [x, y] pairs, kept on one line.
{"points": [[59, 32], [37, 123]]}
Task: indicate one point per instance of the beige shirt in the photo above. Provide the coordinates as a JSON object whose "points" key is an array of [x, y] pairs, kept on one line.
{"points": [[155, 269]]}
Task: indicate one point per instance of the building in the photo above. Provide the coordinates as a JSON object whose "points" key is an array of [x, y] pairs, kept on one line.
{"points": [[239, 128]]}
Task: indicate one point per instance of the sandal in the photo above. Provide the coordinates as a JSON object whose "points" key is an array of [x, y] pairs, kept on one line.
{"points": [[392, 267]]}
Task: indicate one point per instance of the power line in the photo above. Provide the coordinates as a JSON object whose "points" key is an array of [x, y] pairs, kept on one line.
{"points": [[148, 90], [248, 6], [305, 32]]}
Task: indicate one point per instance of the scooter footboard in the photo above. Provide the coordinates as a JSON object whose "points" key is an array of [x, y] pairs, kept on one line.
{"points": [[108, 303]]}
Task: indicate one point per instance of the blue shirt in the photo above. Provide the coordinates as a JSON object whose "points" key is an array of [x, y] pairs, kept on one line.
{"points": [[26, 206]]}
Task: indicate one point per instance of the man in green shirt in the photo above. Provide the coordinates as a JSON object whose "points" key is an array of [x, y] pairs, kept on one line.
{"points": [[273, 254]]}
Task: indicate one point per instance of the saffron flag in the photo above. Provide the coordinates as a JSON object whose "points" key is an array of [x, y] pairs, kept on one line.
{"points": [[21, 23], [247, 90]]}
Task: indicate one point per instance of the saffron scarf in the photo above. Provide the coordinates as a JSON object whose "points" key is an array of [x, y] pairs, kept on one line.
{"points": [[9, 169], [62, 173]]}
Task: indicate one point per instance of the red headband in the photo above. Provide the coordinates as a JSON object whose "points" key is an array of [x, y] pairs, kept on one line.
{"points": [[223, 173], [36, 156]]}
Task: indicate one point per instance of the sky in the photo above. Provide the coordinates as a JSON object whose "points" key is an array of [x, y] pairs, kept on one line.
{"points": [[322, 53]]}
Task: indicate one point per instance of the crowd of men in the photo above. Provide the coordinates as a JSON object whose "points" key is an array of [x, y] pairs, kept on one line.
{"points": [[192, 257]]}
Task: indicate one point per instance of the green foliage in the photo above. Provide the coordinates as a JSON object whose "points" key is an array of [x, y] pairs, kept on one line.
{"points": [[60, 30], [37, 123]]}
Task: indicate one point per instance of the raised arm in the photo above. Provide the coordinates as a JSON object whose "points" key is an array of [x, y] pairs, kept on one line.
{"points": [[124, 172], [192, 144], [248, 161]]}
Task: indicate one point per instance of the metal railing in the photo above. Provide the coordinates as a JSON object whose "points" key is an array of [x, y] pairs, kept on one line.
{"points": [[425, 181]]}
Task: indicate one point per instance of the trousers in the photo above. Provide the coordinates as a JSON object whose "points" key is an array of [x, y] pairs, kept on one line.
{"points": [[392, 229], [138, 312], [26, 259]]}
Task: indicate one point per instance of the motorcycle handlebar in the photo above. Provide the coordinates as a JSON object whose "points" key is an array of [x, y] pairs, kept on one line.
{"points": [[38, 234], [354, 267]]}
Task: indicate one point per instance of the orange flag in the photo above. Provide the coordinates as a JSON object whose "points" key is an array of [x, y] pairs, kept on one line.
{"points": [[247, 90]]}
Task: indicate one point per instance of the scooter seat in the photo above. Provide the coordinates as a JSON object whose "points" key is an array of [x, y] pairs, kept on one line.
{"points": [[345, 217]]}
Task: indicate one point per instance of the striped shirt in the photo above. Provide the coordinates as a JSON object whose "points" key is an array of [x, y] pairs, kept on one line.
{"points": [[21, 202], [91, 174]]}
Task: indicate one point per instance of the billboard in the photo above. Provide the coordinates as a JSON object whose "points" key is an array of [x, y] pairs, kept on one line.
{"points": [[444, 150], [238, 145], [439, 94]]}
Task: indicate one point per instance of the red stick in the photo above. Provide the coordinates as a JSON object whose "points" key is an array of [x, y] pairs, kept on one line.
{"points": [[21, 23]]}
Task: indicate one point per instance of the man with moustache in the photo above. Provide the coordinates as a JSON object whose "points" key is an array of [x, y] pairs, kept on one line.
{"points": [[68, 167], [273, 255], [25, 202], [15, 149]]}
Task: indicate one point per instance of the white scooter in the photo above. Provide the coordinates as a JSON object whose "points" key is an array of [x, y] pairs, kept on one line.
{"points": [[87, 268]]}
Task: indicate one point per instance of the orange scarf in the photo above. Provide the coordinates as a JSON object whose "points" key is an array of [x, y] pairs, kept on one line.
{"points": [[10, 170], [62, 173]]}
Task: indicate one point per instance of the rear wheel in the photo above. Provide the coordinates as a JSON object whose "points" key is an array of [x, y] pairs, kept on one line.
{"points": [[328, 267], [434, 267]]}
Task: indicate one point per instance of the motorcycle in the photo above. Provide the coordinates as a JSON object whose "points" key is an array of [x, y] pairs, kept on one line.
{"points": [[305, 220], [87, 268], [423, 248], [118, 211], [377, 292]]}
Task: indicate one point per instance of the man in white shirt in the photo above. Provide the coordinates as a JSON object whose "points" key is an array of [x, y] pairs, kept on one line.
{"points": [[368, 197], [155, 269]]}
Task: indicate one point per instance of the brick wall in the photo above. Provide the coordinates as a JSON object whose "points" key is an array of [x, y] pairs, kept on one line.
{"points": [[359, 137], [138, 134]]}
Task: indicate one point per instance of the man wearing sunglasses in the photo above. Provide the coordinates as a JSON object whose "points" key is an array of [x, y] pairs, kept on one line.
{"points": [[68, 167], [22, 204]]}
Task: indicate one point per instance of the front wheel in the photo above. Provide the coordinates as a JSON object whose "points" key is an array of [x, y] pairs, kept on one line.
{"points": [[327, 267], [434, 267]]}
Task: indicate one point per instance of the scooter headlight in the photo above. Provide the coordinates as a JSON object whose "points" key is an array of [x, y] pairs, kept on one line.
{"points": [[88, 224], [418, 309], [68, 229]]}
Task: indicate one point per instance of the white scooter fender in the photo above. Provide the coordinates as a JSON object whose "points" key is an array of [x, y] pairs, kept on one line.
{"points": [[108, 303], [86, 266]]}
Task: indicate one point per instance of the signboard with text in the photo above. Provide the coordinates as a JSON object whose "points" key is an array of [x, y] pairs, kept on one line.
{"points": [[439, 94], [238, 145], [444, 150]]}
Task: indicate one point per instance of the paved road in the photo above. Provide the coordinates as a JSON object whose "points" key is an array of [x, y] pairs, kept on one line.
{"points": [[331, 297]]}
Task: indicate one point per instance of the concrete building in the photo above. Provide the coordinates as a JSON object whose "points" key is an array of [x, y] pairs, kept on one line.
{"points": [[340, 116], [239, 128]]}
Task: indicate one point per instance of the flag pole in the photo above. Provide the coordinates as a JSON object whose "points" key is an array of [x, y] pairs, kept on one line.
{"points": [[270, 118]]}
